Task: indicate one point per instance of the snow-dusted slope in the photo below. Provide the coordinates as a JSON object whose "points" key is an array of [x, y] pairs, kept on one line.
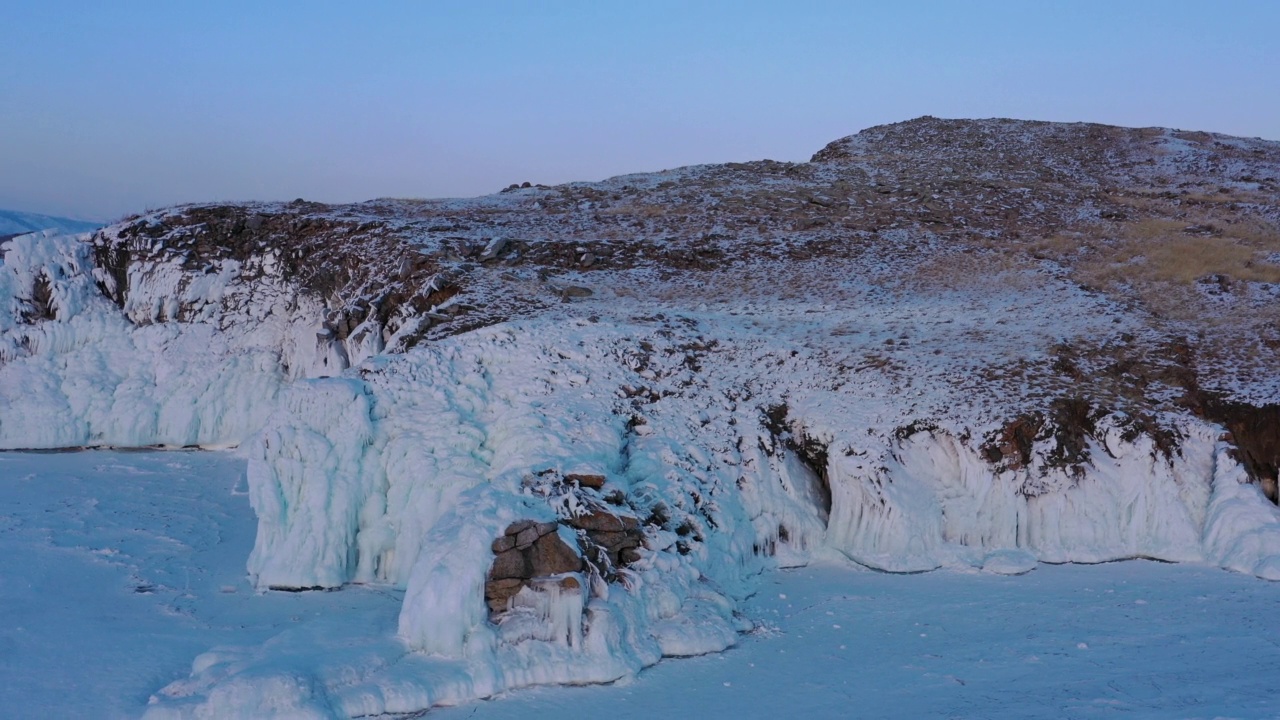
{"points": [[574, 424]]}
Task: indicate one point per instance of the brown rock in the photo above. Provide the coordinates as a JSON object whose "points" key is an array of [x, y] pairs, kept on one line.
{"points": [[503, 544], [510, 564], [613, 541], [527, 537], [498, 592], [530, 534], [575, 291], [551, 556], [517, 527], [503, 589], [595, 482], [601, 520]]}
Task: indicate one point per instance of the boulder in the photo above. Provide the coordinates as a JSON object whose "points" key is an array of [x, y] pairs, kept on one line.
{"points": [[595, 482], [531, 553], [510, 564], [551, 556], [600, 520]]}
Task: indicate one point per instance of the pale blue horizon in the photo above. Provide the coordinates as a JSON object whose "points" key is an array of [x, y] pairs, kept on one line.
{"points": [[112, 108]]}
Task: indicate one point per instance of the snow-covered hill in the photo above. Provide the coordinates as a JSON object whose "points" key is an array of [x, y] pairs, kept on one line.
{"points": [[573, 424], [18, 223]]}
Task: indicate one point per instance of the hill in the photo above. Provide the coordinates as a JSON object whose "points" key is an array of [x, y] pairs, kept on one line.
{"points": [[573, 424]]}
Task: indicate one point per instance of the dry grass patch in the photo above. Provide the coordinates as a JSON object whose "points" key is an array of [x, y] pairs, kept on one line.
{"points": [[1178, 260], [990, 268], [1167, 250]]}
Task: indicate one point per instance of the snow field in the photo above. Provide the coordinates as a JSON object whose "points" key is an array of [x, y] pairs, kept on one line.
{"points": [[1124, 639]]}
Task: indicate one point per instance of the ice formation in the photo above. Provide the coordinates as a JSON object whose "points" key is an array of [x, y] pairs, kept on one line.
{"points": [[738, 424]]}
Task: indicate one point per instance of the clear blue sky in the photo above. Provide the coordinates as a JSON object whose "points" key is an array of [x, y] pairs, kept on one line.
{"points": [[111, 107]]}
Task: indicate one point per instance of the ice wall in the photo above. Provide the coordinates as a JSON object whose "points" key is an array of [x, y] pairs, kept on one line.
{"points": [[76, 370], [935, 501], [436, 445]]}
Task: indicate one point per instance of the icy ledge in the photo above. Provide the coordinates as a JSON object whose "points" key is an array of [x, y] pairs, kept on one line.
{"points": [[406, 474], [78, 371]]}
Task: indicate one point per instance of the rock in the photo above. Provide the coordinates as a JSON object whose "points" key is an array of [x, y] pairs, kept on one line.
{"points": [[551, 556], [527, 537], [575, 291], [599, 520], [503, 544], [595, 482], [532, 532], [493, 249], [510, 564], [615, 541], [1202, 230], [516, 527], [1216, 284], [497, 592]]}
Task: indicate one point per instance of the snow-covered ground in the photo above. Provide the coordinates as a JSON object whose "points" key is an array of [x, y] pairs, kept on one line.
{"points": [[1126, 639], [119, 568]]}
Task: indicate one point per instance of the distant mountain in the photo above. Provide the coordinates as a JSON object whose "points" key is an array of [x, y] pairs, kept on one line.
{"points": [[18, 223]]}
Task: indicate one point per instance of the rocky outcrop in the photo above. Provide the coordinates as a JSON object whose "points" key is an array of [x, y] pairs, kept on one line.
{"points": [[530, 553]]}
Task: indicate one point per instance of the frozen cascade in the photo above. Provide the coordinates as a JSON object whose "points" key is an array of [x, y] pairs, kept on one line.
{"points": [[75, 370], [937, 502], [472, 422], [1242, 529]]}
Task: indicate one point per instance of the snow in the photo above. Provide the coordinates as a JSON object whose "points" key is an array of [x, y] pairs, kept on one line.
{"points": [[1137, 638], [1009, 562], [746, 437], [13, 222], [120, 568], [90, 377], [475, 420], [154, 542], [1241, 533]]}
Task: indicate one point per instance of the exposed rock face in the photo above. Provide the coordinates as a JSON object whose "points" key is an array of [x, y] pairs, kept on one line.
{"points": [[530, 550], [527, 550], [1255, 432]]}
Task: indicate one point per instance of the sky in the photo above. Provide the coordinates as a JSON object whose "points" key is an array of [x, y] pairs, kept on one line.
{"points": [[107, 109]]}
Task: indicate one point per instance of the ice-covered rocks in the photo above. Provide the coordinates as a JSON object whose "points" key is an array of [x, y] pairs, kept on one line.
{"points": [[530, 551]]}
